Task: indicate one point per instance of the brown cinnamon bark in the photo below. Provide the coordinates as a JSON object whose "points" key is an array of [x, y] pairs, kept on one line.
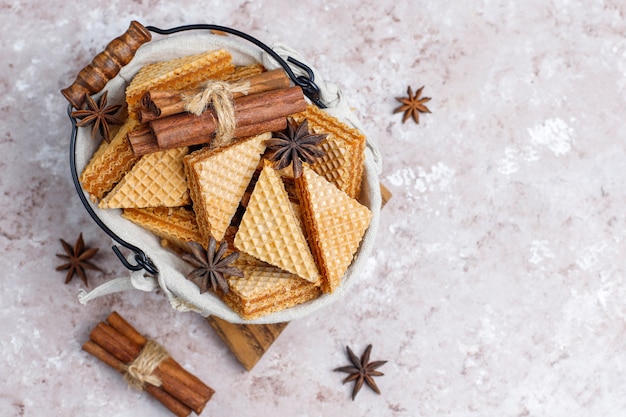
{"points": [[188, 129], [125, 344], [169, 365], [158, 103], [171, 403], [144, 142]]}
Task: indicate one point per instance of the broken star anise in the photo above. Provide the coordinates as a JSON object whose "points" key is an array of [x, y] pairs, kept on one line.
{"points": [[77, 258], [98, 114], [362, 371], [412, 105], [296, 146], [210, 266]]}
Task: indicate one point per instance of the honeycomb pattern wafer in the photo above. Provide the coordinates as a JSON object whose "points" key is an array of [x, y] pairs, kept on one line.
{"points": [[243, 72], [157, 179], [175, 225], [335, 224], [179, 73], [270, 230], [109, 163], [266, 289], [344, 146], [218, 179]]}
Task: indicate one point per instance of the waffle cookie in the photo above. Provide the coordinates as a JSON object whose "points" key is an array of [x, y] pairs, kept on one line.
{"points": [[335, 224], [218, 179], [157, 179], [344, 146], [175, 226], [270, 230], [266, 289], [243, 72], [179, 73], [109, 163]]}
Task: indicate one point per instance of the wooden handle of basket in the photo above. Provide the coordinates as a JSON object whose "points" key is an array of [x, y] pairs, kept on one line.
{"points": [[106, 64]]}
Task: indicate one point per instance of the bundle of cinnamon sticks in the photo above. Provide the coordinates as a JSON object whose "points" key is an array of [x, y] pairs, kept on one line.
{"points": [[265, 107], [118, 344]]}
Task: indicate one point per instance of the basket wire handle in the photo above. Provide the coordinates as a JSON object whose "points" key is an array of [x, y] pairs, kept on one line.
{"points": [[143, 262], [309, 88]]}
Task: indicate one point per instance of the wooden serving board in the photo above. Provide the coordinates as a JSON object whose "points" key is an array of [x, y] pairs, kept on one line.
{"points": [[249, 342]]}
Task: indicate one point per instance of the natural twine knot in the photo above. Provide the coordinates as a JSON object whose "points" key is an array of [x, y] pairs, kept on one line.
{"points": [[219, 95], [140, 371]]}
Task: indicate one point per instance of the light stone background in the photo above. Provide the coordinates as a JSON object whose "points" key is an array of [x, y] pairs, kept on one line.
{"points": [[497, 288]]}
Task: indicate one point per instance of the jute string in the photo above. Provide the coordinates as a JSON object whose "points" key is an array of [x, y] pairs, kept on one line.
{"points": [[139, 371], [219, 95]]}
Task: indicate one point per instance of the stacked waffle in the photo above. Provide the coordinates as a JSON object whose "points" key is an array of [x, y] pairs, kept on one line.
{"points": [[296, 236]]}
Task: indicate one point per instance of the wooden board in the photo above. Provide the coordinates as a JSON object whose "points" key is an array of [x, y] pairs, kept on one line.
{"points": [[249, 342]]}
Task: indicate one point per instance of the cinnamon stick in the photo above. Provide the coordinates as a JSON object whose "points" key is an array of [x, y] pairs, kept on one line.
{"points": [[175, 381], [188, 129], [126, 351], [169, 366], [159, 103], [171, 403], [144, 142]]}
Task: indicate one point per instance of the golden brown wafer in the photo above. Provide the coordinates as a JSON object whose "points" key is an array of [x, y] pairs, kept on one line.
{"points": [[266, 289], [217, 180], [109, 163], [335, 224], [344, 146], [157, 179], [270, 230], [179, 73], [175, 225], [243, 72]]}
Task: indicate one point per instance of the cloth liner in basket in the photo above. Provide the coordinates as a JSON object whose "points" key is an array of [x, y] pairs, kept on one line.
{"points": [[182, 293]]}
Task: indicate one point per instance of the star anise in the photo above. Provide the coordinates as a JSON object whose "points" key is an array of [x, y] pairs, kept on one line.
{"points": [[412, 105], [296, 146], [362, 371], [77, 258], [98, 114], [210, 266]]}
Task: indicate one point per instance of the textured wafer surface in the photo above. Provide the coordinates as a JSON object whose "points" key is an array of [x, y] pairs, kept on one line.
{"points": [[218, 179], [176, 225], [243, 72], [270, 230], [109, 163], [335, 224], [266, 289], [344, 146], [157, 179], [179, 73]]}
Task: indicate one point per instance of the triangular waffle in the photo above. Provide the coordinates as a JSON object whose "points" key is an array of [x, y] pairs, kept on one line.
{"points": [[344, 146], [176, 226], [157, 179], [218, 179], [335, 224], [270, 231], [266, 289], [109, 163], [179, 73]]}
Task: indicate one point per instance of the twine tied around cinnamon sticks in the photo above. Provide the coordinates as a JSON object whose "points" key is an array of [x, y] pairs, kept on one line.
{"points": [[141, 370], [168, 124], [147, 365], [218, 95]]}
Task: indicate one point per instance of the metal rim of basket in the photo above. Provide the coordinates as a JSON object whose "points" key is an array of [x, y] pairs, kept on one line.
{"points": [[309, 88]]}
